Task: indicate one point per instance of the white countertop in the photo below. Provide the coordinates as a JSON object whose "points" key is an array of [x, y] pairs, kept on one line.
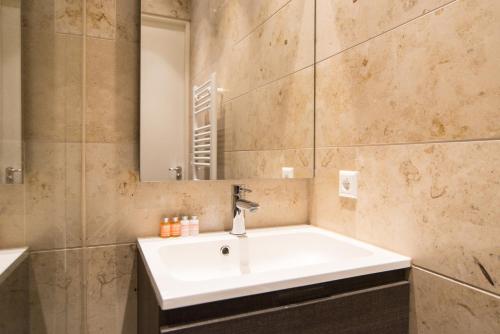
{"points": [[10, 259]]}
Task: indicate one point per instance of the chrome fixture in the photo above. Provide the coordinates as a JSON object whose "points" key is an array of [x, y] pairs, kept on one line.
{"points": [[10, 174], [239, 206], [178, 172]]}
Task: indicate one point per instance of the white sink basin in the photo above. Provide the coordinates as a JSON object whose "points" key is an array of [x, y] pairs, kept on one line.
{"points": [[10, 259], [193, 270]]}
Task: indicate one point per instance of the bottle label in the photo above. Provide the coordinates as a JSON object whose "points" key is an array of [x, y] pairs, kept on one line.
{"points": [[175, 230], [164, 231], [194, 229], [185, 230]]}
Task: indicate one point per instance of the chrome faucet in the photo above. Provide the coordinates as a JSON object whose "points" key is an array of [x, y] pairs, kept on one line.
{"points": [[240, 205]]}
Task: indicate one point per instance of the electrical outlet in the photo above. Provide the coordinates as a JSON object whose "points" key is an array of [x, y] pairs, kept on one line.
{"points": [[287, 172], [348, 183]]}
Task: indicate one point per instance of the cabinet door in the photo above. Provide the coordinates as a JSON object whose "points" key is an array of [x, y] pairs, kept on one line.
{"points": [[381, 310]]}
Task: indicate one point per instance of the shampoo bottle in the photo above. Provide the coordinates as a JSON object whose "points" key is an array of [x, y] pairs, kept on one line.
{"points": [[194, 226], [175, 227], [164, 228], [185, 224]]}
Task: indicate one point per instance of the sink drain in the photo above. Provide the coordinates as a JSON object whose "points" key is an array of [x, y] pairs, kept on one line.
{"points": [[224, 250]]}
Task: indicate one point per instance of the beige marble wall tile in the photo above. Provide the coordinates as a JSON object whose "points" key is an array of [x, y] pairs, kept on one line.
{"points": [[429, 80], [38, 16], [12, 229], [112, 91], [343, 24], [327, 209], [111, 290], [206, 199], [433, 202], [52, 86], [277, 116], [440, 305], [120, 208], [70, 84], [56, 292], [53, 195], [211, 201], [178, 9], [284, 44], [270, 117], [45, 194], [235, 124], [101, 18], [217, 27], [112, 178], [15, 303], [69, 16], [268, 164], [220, 23], [73, 189], [249, 14], [234, 70], [128, 20], [282, 202], [211, 28]]}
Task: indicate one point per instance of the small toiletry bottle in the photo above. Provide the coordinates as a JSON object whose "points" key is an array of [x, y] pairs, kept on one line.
{"points": [[175, 227], [185, 224], [194, 226], [164, 228]]}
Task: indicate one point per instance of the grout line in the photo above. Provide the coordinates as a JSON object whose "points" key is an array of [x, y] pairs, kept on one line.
{"points": [[263, 22], [271, 150], [459, 282], [82, 247], [164, 16], [104, 38], [211, 65], [385, 31], [83, 208], [65, 175], [428, 142], [67, 34], [268, 83], [24, 142]]}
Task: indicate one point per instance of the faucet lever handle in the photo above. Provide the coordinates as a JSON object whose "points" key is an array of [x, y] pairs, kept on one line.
{"points": [[245, 190], [239, 189]]}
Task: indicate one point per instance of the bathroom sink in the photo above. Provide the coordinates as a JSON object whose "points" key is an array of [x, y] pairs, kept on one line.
{"points": [[216, 266], [10, 259]]}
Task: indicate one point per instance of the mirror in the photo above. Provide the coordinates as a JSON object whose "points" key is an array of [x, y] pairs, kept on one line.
{"points": [[228, 94], [10, 92], [164, 98]]}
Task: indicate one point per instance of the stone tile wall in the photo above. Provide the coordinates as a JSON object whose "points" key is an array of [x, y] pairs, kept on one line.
{"points": [[82, 205], [407, 93], [263, 54]]}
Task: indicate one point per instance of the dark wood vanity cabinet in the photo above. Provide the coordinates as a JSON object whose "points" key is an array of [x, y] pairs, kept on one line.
{"points": [[371, 304]]}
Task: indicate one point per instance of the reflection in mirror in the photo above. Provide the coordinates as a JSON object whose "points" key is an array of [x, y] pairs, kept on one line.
{"points": [[164, 98], [249, 112], [10, 92]]}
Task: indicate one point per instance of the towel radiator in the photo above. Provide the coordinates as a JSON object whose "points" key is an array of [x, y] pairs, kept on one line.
{"points": [[204, 140]]}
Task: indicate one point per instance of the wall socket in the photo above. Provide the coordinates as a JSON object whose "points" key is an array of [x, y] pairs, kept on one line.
{"points": [[287, 172], [348, 183]]}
